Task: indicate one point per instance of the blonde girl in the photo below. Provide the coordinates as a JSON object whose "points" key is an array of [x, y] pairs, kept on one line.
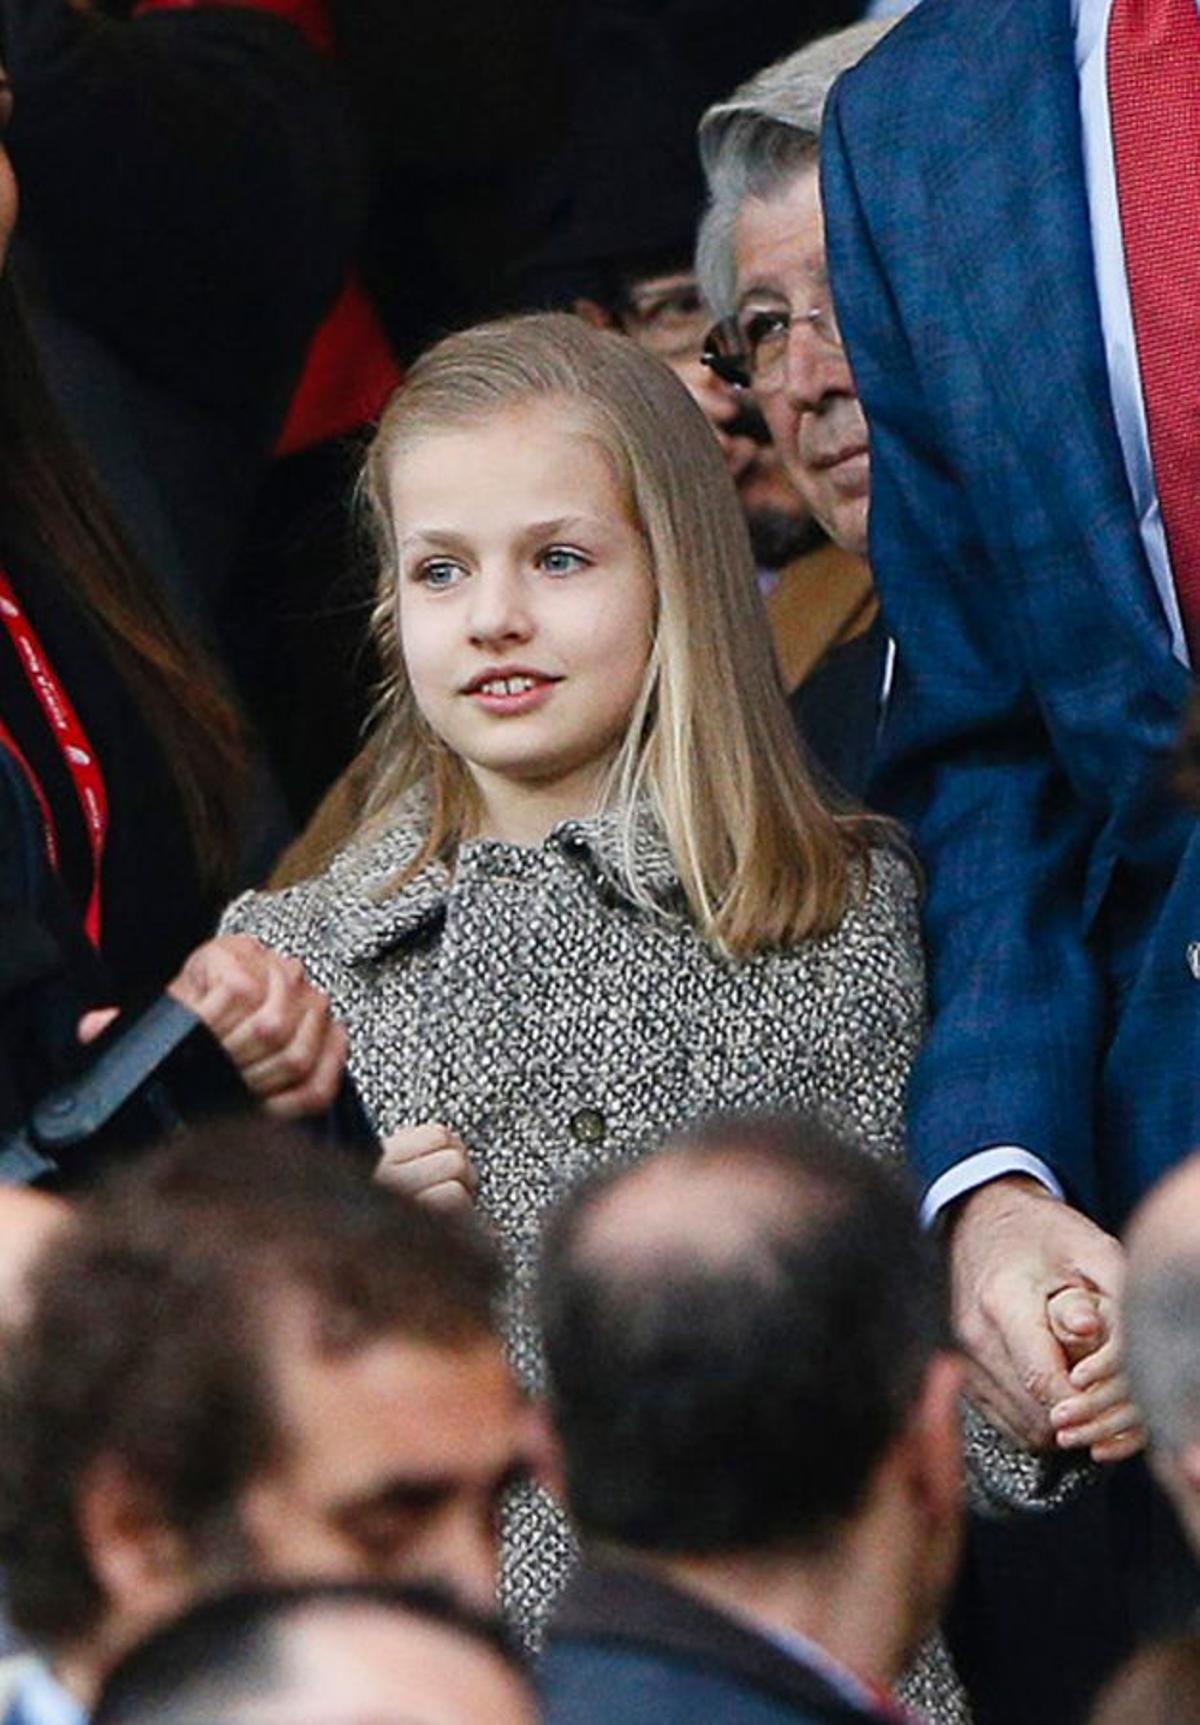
{"points": [[595, 893]]}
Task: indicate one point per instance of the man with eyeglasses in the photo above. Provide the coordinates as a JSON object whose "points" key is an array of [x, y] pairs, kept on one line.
{"points": [[761, 266]]}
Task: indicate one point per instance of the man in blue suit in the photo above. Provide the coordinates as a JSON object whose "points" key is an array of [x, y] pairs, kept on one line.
{"points": [[1025, 344], [1031, 536]]}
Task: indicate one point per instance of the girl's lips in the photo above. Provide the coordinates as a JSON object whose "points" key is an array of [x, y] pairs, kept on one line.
{"points": [[511, 692]]}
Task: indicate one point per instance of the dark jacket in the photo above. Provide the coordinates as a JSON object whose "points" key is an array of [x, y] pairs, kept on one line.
{"points": [[626, 1646]]}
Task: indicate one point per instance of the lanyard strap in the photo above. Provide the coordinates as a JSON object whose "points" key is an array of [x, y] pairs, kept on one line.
{"points": [[74, 745]]}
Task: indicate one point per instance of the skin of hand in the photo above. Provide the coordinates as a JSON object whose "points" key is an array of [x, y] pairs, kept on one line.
{"points": [[1014, 1249], [429, 1163], [273, 1023], [1100, 1416]]}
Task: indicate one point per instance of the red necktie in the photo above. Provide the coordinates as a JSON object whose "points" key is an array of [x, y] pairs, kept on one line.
{"points": [[1154, 106]]}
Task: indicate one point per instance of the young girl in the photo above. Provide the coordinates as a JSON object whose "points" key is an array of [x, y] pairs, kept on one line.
{"points": [[596, 894]]}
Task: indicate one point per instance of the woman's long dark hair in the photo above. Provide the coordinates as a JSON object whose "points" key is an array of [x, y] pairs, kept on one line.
{"points": [[52, 504]]}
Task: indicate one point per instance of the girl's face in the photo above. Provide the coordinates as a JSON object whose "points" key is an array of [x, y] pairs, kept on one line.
{"points": [[526, 608]]}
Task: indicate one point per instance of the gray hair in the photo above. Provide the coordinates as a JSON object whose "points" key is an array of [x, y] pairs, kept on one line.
{"points": [[755, 143], [1162, 1319]]}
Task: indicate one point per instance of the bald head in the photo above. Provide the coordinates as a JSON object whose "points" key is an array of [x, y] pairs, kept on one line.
{"points": [[1166, 1224], [710, 1205], [1162, 1320], [355, 1654], [688, 1305]]}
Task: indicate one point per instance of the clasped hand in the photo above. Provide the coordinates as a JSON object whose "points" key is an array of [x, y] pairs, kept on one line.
{"points": [[1036, 1290]]}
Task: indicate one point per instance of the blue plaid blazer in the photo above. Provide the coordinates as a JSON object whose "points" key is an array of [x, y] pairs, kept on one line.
{"points": [[1037, 701]]}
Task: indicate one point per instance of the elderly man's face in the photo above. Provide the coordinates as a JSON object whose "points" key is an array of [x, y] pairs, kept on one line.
{"points": [[806, 392]]}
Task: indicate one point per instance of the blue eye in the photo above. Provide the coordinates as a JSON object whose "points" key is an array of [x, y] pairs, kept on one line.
{"points": [[438, 573], [561, 560]]}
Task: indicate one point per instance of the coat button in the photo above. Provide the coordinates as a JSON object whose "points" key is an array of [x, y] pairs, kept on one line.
{"points": [[1193, 958], [588, 1126]]}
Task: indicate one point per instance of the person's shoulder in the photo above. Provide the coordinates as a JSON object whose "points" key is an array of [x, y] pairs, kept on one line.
{"points": [[932, 40], [885, 888], [876, 944], [309, 910], [874, 954]]}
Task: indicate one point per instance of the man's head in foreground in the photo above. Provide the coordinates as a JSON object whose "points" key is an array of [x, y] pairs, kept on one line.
{"points": [[746, 1339], [245, 1361], [358, 1653], [1162, 1322]]}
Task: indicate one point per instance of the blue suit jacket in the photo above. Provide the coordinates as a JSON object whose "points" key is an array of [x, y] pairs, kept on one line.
{"points": [[624, 1645], [1037, 700]]}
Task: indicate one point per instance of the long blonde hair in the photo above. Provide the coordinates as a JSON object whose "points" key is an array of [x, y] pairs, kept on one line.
{"points": [[762, 858]]}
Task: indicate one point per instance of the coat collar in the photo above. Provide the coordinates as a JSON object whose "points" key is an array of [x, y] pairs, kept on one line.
{"points": [[367, 916], [1007, 177], [612, 1601]]}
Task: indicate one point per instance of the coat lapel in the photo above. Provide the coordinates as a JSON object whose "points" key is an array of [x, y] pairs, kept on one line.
{"points": [[1009, 178]]}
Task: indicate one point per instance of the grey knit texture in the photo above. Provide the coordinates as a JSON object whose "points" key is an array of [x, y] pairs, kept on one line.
{"points": [[528, 1002]]}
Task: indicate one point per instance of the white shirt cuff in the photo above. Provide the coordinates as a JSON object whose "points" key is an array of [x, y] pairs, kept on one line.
{"points": [[977, 1170]]}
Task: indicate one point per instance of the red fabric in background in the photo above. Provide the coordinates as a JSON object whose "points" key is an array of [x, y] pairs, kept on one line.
{"points": [[310, 17], [350, 369]]}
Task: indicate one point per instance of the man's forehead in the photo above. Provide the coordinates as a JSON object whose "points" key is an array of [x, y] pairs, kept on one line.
{"points": [[780, 245], [354, 1392]]}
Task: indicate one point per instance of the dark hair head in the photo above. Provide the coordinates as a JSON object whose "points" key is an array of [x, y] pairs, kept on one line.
{"points": [[218, 1655], [151, 1326], [735, 1331]]}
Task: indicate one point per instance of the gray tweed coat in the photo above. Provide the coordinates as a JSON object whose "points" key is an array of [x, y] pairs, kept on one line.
{"points": [[528, 1002]]}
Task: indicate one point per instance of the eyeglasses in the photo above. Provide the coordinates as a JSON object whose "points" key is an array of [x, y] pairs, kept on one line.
{"points": [[670, 321], [750, 350]]}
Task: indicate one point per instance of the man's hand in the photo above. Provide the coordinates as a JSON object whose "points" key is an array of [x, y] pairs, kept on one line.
{"points": [[1015, 1251], [272, 1022], [429, 1163]]}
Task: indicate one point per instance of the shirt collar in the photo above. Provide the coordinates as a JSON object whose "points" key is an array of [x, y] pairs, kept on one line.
{"points": [[815, 1658], [40, 1699]]}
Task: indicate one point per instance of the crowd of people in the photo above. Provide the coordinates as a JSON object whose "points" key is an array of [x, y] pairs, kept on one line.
{"points": [[597, 833]]}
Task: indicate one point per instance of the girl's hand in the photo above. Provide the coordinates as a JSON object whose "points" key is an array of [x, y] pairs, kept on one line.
{"points": [[1099, 1416], [429, 1163]]}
